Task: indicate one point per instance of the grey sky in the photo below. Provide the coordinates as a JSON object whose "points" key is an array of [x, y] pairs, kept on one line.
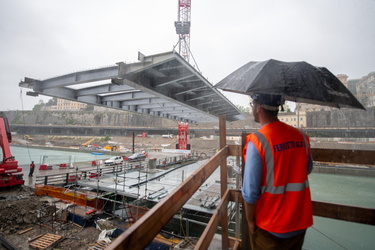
{"points": [[44, 38]]}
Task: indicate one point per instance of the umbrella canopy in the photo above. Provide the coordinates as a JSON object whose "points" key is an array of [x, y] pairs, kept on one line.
{"points": [[295, 81]]}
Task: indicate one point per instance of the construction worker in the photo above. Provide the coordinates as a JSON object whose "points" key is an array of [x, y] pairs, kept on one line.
{"points": [[277, 161], [32, 167]]}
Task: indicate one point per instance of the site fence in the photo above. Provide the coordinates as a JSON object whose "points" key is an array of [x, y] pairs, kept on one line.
{"points": [[98, 169]]}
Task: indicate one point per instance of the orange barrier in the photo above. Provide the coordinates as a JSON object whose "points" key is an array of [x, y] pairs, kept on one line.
{"points": [[93, 175], [67, 195], [43, 167]]}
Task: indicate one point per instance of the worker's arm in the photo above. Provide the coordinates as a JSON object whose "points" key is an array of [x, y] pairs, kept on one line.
{"points": [[251, 183], [250, 208]]}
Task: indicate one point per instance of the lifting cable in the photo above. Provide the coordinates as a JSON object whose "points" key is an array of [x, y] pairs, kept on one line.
{"points": [[191, 53], [24, 122]]}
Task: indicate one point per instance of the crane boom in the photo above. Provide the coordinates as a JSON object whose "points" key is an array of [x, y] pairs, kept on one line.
{"points": [[9, 171]]}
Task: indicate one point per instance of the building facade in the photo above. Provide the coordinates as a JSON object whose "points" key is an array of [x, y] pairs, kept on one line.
{"points": [[63, 104], [296, 119], [365, 90]]}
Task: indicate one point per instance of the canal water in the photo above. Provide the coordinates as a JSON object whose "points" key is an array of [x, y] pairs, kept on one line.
{"points": [[335, 234], [325, 233], [25, 155]]}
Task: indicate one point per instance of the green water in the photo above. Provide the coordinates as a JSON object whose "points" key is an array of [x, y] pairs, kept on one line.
{"points": [[335, 234], [25, 155]]}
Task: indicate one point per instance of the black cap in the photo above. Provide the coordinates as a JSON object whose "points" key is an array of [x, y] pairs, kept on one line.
{"points": [[268, 101]]}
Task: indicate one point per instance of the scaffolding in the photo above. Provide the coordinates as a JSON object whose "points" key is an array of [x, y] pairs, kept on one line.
{"points": [[110, 187]]}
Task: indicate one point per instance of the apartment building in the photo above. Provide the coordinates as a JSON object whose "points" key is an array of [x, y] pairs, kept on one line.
{"points": [[63, 104], [296, 119]]}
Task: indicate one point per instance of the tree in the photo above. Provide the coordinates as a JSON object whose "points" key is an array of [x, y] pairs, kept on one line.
{"points": [[39, 106], [106, 138], [243, 109], [52, 101], [89, 107]]}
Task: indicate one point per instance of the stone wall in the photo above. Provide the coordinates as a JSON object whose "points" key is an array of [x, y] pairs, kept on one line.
{"points": [[321, 119], [87, 118], [341, 118]]}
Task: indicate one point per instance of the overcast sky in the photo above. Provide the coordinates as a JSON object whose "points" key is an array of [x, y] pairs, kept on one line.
{"points": [[44, 38]]}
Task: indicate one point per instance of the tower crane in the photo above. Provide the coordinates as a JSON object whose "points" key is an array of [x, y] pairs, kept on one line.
{"points": [[183, 28]]}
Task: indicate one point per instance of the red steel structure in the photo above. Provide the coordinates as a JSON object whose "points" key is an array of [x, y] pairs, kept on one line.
{"points": [[183, 135], [9, 171]]}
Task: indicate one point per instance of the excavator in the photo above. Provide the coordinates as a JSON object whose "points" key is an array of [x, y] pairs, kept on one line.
{"points": [[27, 137], [10, 173], [87, 144]]}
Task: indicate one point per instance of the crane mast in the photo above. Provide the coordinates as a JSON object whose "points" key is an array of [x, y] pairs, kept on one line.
{"points": [[183, 32], [183, 28]]}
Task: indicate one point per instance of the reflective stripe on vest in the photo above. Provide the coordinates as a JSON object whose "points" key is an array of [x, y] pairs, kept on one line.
{"points": [[269, 188]]}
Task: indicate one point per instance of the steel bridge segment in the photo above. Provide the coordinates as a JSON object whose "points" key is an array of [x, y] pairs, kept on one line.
{"points": [[164, 85]]}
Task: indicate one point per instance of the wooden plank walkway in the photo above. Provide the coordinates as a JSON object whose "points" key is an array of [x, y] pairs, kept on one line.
{"points": [[45, 241]]}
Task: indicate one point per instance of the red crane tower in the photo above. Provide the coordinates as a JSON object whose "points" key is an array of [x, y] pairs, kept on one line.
{"points": [[183, 128], [183, 28]]}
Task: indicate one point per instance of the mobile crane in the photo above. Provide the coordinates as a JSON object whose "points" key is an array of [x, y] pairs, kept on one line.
{"points": [[87, 144], [10, 173]]}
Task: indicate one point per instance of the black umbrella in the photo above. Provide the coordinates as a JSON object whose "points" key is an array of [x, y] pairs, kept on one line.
{"points": [[296, 81]]}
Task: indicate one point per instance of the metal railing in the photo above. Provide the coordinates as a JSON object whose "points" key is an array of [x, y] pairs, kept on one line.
{"points": [[147, 227]]}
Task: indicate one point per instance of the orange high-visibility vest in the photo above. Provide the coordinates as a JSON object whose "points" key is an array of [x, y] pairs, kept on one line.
{"points": [[285, 201]]}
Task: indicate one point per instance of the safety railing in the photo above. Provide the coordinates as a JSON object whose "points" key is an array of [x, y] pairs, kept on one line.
{"points": [[147, 227]]}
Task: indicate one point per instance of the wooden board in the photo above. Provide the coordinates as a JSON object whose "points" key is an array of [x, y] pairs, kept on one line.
{"points": [[25, 231], [362, 157], [45, 241], [99, 245]]}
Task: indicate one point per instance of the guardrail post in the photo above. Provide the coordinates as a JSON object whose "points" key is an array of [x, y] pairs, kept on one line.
{"points": [[245, 226], [224, 183], [237, 188]]}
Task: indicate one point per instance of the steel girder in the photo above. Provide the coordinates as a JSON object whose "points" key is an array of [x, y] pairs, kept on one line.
{"points": [[162, 85]]}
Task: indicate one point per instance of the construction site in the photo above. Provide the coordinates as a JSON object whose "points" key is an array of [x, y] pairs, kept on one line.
{"points": [[89, 205], [68, 206]]}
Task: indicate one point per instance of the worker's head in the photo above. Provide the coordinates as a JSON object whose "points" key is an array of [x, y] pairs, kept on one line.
{"points": [[267, 102], [32, 161]]}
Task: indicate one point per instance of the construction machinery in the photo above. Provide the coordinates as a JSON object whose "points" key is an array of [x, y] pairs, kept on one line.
{"points": [[183, 131], [27, 137], [10, 173], [110, 148], [87, 144]]}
